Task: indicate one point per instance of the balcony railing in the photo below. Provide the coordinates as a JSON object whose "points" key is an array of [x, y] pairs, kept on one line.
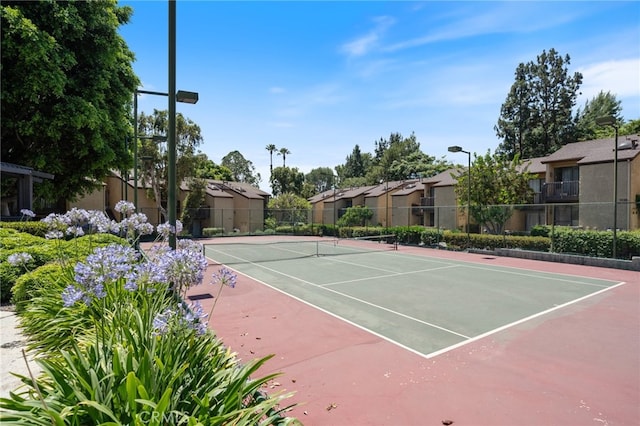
{"points": [[427, 201], [567, 191]]}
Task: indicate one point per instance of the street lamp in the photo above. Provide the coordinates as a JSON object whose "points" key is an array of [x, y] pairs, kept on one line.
{"points": [[611, 121], [456, 148]]}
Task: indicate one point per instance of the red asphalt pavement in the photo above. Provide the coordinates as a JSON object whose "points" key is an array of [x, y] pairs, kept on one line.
{"points": [[579, 365]]}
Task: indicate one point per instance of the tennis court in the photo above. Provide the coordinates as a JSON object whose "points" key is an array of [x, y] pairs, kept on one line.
{"points": [[425, 304]]}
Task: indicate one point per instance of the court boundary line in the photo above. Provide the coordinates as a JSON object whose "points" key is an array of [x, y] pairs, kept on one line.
{"points": [[395, 274], [491, 268], [434, 354], [520, 321], [382, 308], [563, 274]]}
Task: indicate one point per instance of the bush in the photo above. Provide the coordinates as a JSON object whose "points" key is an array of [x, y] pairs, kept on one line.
{"points": [[596, 243], [212, 232], [38, 228], [119, 345], [28, 285]]}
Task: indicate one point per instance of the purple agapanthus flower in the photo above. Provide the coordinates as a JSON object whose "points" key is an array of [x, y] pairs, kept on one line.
{"points": [[125, 207], [27, 213], [104, 266], [19, 259], [225, 276], [184, 268]]}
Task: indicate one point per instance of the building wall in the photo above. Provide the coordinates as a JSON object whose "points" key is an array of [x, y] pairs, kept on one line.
{"points": [[634, 190], [446, 210], [220, 213], [93, 201], [402, 211], [596, 196]]}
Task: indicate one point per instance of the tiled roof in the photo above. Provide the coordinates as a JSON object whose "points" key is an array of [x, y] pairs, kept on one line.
{"points": [[595, 151]]}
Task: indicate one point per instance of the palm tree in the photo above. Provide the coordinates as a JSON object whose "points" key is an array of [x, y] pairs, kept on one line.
{"points": [[271, 148], [284, 152]]}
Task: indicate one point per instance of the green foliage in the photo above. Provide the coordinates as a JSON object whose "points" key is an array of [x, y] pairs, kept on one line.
{"points": [[284, 152], [356, 216], [601, 105], [66, 80], [497, 183], [289, 208], [194, 200], [155, 166], [107, 361], [36, 228], [212, 232], [320, 179], [286, 180], [43, 251], [242, 169], [203, 168], [595, 243], [28, 285], [401, 158], [536, 117], [122, 373]]}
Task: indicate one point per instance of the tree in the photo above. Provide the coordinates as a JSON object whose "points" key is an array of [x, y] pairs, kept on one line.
{"points": [[284, 152], [154, 156], [497, 183], [290, 208], [356, 216], [602, 105], [271, 148], [194, 200], [67, 85], [320, 179], [401, 158], [204, 168], [357, 164], [286, 179], [242, 169], [536, 117]]}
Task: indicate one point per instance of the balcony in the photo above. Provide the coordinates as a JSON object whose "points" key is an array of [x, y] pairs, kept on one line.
{"points": [[427, 201], [561, 192]]}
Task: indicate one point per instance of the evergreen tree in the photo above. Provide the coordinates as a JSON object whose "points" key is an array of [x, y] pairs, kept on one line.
{"points": [[536, 117]]}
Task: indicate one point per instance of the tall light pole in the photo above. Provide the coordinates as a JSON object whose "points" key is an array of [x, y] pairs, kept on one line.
{"points": [[456, 148], [611, 121]]}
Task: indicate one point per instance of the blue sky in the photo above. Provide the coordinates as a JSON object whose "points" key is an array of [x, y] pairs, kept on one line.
{"points": [[318, 78]]}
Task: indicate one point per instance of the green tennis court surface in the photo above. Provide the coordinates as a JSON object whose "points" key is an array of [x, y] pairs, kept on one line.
{"points": [[424, 304]]}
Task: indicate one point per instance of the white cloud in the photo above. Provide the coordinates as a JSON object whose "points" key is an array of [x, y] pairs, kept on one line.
{"points": [[277, 90], [620, 77], [367, 42]]}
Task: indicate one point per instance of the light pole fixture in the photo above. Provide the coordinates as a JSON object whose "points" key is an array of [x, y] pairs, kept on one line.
{"points": [[611, 121], [456, 148]]}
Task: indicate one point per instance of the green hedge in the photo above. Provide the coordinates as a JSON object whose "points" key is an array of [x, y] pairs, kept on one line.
{"points": [[543, 238], [42, 251], [36, 228]]}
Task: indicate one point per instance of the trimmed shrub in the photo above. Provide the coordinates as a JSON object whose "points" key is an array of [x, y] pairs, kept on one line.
{"points": [[36, 228], [28, 285], [212, 232]]}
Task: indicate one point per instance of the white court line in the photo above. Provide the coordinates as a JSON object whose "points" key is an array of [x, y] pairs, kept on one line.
{"points": [[520, 321], [412, 350], [382, 308], [542, 275], [394, 274]]}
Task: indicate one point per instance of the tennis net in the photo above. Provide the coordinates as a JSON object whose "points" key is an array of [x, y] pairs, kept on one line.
{"points": [[275, 250]]}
